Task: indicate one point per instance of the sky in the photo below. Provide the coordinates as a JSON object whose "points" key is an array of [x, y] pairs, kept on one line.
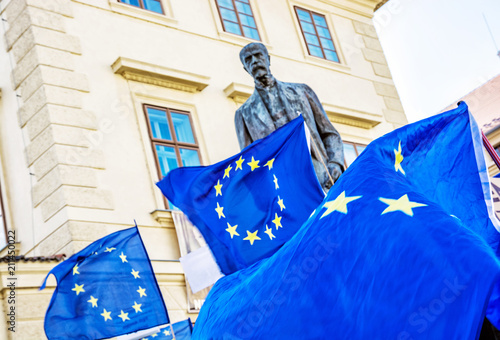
{"points": [[439, 50]]}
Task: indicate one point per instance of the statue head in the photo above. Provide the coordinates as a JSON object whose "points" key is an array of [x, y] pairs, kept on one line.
{"points": [[255, 60]]}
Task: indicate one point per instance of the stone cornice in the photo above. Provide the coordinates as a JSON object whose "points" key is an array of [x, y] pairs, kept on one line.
{"points": [[346, 116], [159, 75]]}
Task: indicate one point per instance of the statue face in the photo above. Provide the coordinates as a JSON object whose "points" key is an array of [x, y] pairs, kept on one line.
{"points": [[256, 62]]}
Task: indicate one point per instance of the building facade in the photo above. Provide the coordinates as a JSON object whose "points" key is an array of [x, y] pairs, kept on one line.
{"points": [[101, 98]]}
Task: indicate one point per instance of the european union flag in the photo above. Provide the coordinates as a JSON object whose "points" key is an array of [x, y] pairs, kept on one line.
{"points": [[402, 247], [105, 290], [249, 205], [182, 331]]}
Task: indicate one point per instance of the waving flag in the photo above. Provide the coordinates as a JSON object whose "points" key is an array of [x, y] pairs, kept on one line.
{"points": [[249, 205], [182, 330], [105, 290], [402, 247]]}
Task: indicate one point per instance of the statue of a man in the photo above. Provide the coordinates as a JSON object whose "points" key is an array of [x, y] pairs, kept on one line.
{"points": [[274, 103]]}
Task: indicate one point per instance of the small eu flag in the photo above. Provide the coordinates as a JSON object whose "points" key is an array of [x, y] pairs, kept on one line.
{"points": [[105, 290], [182, 331], [403, 247], [250, 204]]}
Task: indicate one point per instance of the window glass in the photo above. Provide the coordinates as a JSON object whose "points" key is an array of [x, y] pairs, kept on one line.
{"points": [[318, 38], [159, 124], [349, 154], [316, 51], [150, 5], [153, 5], [228, 14], [189, 157], [331, 55], [170, 152], [232, 27], [304, 16], [237, 18], [226, 3], [166, 159], [247, 20], [243, 8], [251, 33], [182, 127]]}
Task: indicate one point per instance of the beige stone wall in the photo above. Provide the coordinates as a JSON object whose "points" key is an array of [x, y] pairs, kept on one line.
{"points": [[76, 158]]}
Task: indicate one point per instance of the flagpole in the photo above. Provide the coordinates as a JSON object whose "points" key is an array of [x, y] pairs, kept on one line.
{"points": [[491, 150]]}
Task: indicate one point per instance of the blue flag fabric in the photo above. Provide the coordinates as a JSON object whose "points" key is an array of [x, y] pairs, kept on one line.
{"points": [[401, 248], [182, 330], [250, 204], [105, 290]]}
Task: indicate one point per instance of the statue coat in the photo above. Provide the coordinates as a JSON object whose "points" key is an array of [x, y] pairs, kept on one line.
{"points": [[253, 122]]}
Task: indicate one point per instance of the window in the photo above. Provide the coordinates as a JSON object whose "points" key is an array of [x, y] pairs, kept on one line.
{"points": [[150, 5], [351, 152], [316, 34], [237, 17], [172, 138]]}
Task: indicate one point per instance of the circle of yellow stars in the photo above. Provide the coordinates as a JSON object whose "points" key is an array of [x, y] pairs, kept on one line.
{"points": [[253, 164], [94, 302]]}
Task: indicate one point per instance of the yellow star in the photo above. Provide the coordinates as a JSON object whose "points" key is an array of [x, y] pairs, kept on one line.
{"points": [[137, 307], [269, 232], [254, 164], [281, 204], [232, 230], [269, 164], [109, 250], [141, 291], [78, 289], [226, 172], [93, 301], [252, 237], [402, 204], [277, 221], [399, 159], [123, 316], [339, 204], [218, 189], [106, 315], [154, 335], [75, 269], [276, 182], [123, 257], [166, 332], [239, 163], [135, 273], [219, 210]]}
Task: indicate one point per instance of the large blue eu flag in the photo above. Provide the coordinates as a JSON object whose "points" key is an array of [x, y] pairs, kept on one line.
{"points": [[105, 290], [402, 247], [250, 204]]}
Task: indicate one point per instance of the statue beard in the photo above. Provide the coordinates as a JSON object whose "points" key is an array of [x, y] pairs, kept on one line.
{"points": [[262, 76]]}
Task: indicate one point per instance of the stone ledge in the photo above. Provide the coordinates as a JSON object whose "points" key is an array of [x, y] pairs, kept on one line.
{"points": [[361, 119], [238, 92], [164, 217], [159, 75]]}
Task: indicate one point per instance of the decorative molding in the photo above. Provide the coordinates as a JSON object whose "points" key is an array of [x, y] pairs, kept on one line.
{"points": [[361, 119], [238, 92], [164, 217], [158, 75]]}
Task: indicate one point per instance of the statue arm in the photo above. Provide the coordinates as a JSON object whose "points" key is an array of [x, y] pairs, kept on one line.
{"points": [[244, 138], [328, 134]]}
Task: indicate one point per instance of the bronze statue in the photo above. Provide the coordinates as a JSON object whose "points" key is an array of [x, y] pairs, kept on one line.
{"points": [[274, 103]]}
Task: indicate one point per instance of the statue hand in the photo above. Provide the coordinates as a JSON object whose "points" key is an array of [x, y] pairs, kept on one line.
{"points": [[335, 172]]}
